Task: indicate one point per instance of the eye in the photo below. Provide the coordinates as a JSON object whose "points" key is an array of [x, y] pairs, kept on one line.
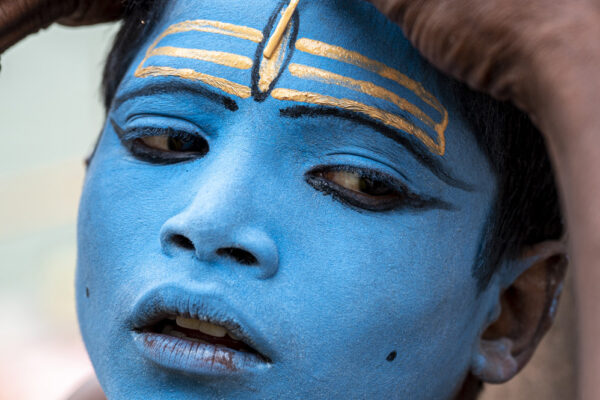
{"points": [[162, 145], [366, 189], [360, 184], [174, 142]]}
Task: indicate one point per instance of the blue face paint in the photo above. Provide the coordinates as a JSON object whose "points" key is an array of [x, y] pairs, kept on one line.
{"points": [[307, 214]]}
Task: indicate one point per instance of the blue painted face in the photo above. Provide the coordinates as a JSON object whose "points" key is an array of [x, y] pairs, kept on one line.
{"points": [[300, 226]]}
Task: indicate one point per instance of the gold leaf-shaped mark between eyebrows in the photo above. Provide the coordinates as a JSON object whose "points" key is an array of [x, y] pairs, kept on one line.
{"points": [[276, 51], [386, 118], [337, 53], [271, 67]]}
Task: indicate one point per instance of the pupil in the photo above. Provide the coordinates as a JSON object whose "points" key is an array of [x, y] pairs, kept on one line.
{"points": [[175, 144], [374, 188]]}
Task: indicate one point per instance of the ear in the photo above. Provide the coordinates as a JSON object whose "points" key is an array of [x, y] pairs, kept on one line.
{"points": [[527, 310]]}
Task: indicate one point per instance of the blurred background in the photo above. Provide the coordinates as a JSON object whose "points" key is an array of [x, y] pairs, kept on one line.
{"points": [[50, 116]]}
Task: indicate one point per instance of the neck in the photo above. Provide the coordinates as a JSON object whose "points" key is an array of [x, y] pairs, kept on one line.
{"points": [[470, 389]]}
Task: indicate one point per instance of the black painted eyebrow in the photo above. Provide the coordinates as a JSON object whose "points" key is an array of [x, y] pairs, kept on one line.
{"points": [[418, 151], [158, 88]]}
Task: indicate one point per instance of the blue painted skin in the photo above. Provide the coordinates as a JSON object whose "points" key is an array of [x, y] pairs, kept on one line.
{"points": [[336, 287]]}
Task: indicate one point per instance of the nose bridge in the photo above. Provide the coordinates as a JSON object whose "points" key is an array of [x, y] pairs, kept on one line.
{"points": [[238, 169], [222, 223], [224, 188]]}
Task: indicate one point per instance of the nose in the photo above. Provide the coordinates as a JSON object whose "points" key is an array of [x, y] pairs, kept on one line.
{"points": [[209, 237]]}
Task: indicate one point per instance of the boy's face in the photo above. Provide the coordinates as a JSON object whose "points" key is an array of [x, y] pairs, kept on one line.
{"points": [[307, 203]]}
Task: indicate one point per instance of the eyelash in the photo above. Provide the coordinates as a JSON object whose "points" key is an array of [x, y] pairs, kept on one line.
{"points": [[400, 198], [132, 139]]}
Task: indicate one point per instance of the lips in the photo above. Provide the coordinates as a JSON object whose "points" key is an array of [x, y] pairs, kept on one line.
{"points": [[194, 333]]}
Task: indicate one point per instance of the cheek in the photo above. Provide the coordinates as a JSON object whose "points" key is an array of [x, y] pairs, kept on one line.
{"points": [[352, 288], [121, 212], [125, 203], [376, 286]]}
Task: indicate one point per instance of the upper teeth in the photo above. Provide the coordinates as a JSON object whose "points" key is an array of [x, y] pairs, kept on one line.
{"points": [[202, 326]]}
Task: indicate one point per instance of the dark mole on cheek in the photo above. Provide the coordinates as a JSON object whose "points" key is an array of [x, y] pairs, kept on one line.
{"points": [[87, 292], [391, 357]]}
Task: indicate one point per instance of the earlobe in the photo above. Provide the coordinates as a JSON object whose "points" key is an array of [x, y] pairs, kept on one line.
{"points": [[495, 363], [527, 310]]}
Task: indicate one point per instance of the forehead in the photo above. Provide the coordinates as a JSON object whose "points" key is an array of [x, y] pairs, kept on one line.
{"points": [[339, 54]]}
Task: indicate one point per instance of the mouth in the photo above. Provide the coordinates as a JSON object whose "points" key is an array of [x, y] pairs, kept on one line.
{"points": [[197, 341], [202, 332]]}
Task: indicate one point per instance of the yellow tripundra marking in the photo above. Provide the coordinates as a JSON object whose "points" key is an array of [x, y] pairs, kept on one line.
{"points": [[227, 86], [270, 67], [227, 59], [387, 118], [337, 53], [316, 74], [216, 57]]}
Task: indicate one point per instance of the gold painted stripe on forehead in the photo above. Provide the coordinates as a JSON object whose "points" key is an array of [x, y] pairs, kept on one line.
{"points": [[221, 28], [227, 59], [337, 53], [227, 86], [216, 57], [320, 75], [387, 118]]}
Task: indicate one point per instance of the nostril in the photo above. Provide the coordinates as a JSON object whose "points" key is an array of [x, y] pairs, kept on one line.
{"points": [[241, 256], [182, 242]]}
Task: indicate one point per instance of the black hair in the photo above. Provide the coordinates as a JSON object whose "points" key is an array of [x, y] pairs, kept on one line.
{"points": [[140, 18], [526, 209]]}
